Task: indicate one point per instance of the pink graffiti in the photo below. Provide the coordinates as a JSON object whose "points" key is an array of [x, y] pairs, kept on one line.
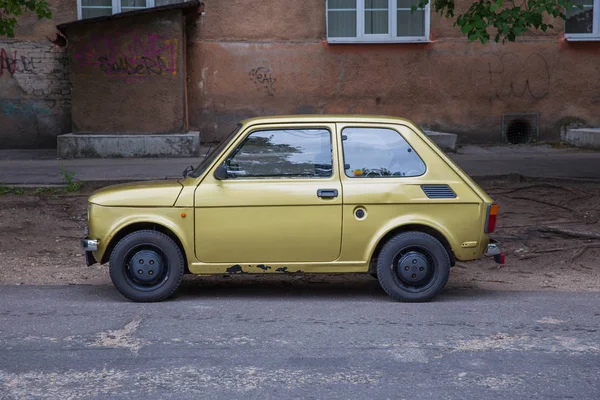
{"points": [[130, 55]]}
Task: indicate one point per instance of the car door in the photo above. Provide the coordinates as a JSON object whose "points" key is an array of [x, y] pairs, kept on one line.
{"points": [[281, 202], [381, 180]]}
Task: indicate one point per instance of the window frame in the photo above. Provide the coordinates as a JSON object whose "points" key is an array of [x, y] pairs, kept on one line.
{"points": [[595, 35], [116, 7], [391, 128], [391, 37], [236, 146]]}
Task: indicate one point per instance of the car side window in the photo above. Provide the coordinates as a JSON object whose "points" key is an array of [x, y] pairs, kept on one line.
{"points": [[379, 153], [283, 153]]}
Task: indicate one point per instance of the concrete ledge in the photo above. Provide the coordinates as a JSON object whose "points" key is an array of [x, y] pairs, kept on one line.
{"points": [[121, 146], [588, 138], [446, 141]]}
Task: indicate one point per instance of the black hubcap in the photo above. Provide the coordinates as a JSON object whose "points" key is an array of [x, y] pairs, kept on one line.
{"points": [[413, 268], [146, 268]]}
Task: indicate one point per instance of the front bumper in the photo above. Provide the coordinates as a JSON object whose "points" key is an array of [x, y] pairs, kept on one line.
{"points": [[493, 250], [89, 245]]}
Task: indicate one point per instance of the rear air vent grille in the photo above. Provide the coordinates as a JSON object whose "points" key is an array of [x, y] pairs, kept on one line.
{"points": [[438, 191]]}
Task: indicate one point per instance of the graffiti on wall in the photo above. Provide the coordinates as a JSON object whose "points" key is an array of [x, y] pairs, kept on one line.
{"points": [[518, 76], [263, 80], [130, 55], [11, 63], [26, 108]]}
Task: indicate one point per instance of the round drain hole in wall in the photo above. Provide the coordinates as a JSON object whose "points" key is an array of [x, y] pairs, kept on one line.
{"points": [[519, 131]]}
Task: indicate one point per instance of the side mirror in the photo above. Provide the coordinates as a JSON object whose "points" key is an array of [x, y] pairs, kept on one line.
{"points": [[221, 173]]}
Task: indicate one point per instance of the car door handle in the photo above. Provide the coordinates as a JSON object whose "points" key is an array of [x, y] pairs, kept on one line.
{"points": [[327, 193]]}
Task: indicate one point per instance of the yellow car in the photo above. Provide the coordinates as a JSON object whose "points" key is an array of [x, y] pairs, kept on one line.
{"points": [[299, 194]]}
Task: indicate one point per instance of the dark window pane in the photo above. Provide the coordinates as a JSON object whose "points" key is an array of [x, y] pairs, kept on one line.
{"points": [[333, 4], [411, 23], [129, 5], [290, 153], [95, 8], [342, 24], [133, 3], [580, 20], [376, 4], [407, 3], [166, 2], [96, 3], [95, 12], [379, 152], [376, 22]]}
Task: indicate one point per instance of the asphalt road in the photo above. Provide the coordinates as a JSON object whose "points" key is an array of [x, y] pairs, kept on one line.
{"points": [[292, 342]]}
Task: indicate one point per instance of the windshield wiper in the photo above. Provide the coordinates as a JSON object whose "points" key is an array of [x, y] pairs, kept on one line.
{"points": [[207, 151], [191, 168]]}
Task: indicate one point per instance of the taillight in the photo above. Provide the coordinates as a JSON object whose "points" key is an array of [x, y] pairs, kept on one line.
{"points": [[492, 216]]}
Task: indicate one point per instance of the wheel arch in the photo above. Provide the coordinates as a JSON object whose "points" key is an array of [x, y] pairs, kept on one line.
{"points": [[138, 226], [413, 227]]}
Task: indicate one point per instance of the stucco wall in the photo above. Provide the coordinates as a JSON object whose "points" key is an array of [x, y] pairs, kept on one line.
{"points": [[128, 74], [254, 58], [35, 98]]}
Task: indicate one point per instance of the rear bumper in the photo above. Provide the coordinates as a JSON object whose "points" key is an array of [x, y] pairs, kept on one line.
{"points": [[89, 245], [493, 250]]}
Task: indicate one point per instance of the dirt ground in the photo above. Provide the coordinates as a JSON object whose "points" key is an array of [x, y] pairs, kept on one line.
{"points": [[550, 232]]}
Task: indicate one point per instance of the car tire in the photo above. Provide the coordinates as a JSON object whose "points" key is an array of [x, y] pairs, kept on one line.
{"points": [[146, 266], [413, 267]]}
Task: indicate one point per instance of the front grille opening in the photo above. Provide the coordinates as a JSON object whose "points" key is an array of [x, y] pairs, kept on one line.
{"points": [[519, 131]]}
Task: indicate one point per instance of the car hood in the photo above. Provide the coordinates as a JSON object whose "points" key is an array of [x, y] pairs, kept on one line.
{"points": [[139, 194]]}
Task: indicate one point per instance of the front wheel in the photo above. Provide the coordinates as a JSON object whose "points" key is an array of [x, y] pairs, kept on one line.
{"points": [[146, 266], [413, 267]]}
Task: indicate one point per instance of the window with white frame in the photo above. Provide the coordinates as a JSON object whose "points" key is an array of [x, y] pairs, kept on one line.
{"points": [[99, 8], [376, 21], [583, 22]]}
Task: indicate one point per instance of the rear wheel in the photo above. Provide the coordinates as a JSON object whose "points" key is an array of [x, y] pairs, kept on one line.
{"points": [[413, 266], [146, 266]]}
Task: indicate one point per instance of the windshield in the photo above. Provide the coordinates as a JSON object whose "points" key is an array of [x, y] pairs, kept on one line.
{"points": [[212, 155]]}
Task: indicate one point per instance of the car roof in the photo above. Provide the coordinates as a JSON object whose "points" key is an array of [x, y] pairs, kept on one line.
{"points": [[331, 118]]}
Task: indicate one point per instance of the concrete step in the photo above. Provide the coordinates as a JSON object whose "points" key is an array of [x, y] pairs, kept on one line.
{"points": [[446, 141], [588, 138], [137, 146]]}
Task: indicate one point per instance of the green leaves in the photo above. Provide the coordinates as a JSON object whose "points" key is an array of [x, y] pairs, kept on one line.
{"points": [[496, 5], [11, 9], [505, 21]]}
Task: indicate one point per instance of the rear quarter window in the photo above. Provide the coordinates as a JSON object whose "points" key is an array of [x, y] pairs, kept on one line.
{"points": [[379, 153]]}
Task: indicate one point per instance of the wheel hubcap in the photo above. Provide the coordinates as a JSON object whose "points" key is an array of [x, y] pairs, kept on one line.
{"points": [[413, 268], [146, 266]]}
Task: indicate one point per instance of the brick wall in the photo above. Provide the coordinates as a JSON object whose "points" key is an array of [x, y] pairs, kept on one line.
{"points": [[35, 94], [272, 57]]}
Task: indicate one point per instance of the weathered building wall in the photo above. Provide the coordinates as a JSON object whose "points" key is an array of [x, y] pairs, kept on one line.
{"points": [[272, 58], [35, 94], [128, 74], [35, 99]]}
